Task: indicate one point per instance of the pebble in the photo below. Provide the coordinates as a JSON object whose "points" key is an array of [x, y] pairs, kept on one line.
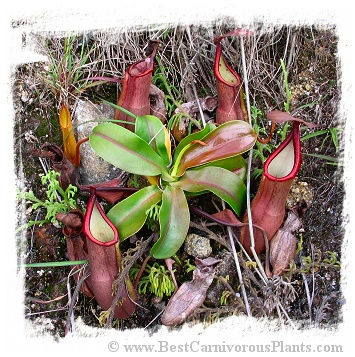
{"points": [[300, 192], [197, 246]]}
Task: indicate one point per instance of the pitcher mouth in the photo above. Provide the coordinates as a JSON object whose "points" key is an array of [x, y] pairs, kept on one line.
{"points": [[97, 227], [284, 163], [231, 73], [145, 66]]}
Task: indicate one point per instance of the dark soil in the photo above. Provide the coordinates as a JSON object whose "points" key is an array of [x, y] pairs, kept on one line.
{"points": [[313, 77]]}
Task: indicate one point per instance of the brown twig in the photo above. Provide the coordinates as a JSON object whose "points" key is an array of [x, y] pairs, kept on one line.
{"points": [[120, 281]]}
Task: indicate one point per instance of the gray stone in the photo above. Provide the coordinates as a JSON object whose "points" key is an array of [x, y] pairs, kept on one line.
{"points": [[92, 169]]}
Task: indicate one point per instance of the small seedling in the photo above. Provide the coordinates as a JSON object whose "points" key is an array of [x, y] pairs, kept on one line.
{"points": [[158, 280], [153, 217], [58, 200], [329, 134], [332, 260], [226, 294], [160, 80], [188, 266]]}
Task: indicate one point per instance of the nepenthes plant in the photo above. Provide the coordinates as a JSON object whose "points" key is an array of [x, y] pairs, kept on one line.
{"points": [[202, 162], [207, 161]]}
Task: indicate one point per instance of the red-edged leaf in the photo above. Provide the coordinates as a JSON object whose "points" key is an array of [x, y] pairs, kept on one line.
{"points": [[126, 150], [228, 140], [223, 183], [130, 214], [234, 164], [152, 131], [199, 135], [111, 191]]}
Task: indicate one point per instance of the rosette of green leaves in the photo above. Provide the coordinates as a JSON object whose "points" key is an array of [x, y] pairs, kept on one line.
{"points": [[205, 161]]}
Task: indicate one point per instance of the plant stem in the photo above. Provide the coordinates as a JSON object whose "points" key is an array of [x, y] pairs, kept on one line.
{"points": [[239, 272], [250, 160], [287, 89]]}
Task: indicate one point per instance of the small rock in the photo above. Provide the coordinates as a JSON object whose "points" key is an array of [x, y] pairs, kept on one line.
{"points": [[92, 169], [25, 97], [197, 246], [300, 192]]}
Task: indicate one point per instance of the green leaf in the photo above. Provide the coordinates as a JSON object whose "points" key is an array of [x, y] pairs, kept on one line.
{"points": [[174, 222], [236, 164], [199, 135], [151, 130], [325, 157], [316, 133], [127, 151], [334, 134], [223, 183], [54, 264], [130, 214], [227, 140]]}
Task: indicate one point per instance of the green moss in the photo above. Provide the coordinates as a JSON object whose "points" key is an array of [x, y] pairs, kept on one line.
{"points": [[49, 129]]}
